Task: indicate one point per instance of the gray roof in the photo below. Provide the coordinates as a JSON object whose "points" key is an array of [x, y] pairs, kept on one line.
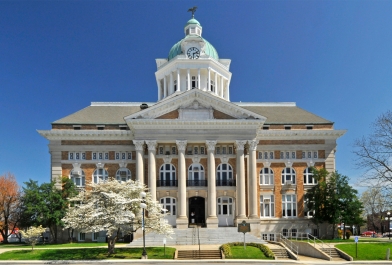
{"points": [[114, 113], [286, 115]]}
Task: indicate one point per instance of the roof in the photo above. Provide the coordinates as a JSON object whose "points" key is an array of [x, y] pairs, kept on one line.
{"points": [[114, 113], [192, 21]]}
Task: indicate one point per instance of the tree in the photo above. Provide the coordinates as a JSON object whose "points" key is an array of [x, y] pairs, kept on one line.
{"points": [[46, 205], [114, 207], [9, 205], [375, 201], [333, 200], [32, 235], [374, 152]]}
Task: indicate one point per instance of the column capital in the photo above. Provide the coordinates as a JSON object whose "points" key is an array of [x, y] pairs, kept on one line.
{"points": [[211, 145], [138, 145], [252, 145], [240, 144], [152, 144], [181, 144]]}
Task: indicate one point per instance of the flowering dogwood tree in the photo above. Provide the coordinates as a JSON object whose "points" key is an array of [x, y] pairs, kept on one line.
{"points": [[32, 235], [114, 207]]}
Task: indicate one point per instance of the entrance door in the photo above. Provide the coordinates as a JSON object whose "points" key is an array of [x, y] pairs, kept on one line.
{"points": [[197, 211]]}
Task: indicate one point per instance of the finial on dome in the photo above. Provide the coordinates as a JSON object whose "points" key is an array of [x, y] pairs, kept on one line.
{"points": [[193, 10]]}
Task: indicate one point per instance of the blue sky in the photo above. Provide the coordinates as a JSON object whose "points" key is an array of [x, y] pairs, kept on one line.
{"points": [[332, 58]]}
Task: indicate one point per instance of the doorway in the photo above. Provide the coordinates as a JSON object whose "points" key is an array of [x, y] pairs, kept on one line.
{"points": [[197, 211]]}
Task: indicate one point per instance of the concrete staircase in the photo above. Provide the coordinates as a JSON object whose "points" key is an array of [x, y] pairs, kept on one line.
{"points": [[196, 254], [189, 236], [279, 251], [333, 253]]}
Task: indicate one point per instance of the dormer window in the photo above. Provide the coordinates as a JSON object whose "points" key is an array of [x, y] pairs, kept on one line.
{"points": [[77, 127], [287, 127], [309, 127], [100, 127]]}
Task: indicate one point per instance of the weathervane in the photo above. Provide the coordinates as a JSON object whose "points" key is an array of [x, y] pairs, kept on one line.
{"points": [[193, 10]]}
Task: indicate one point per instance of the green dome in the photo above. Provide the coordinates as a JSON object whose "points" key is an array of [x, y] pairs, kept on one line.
{"points": [[192, 21], [208, 48]]}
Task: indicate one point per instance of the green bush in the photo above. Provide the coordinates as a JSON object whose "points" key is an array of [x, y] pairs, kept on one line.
{"points": [[348, 234], [227, 251]]}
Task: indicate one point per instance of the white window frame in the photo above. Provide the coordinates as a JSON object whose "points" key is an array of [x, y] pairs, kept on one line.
{"points": [[81, 178], [100, 177], [224, 206], [289, 205], [267, 206], [308, 175], [81, 236], [192, 171], [228, 172], [123, 155], [288, 177], [170, 204], [100, 156], [120, 177], [94, 236], [266, 173], [76, 156], [164, 172]]}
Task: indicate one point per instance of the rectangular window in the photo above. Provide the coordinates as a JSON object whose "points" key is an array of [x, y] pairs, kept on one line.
{"points": [[175, 85], [77, 156], [265, 155], [117, 156], [281, 155], [100, 155], [83, 156], [94, 156], [309, 155], [82, 236], [267, 206], [292, 155], [106, 156], [195, 83], [287, 155], [71, 156], [303, 155], [289, 206], [202, 150], [130, 155], [315, 154], [123, 156], [224, 150], [260, 155], [230, 150], [196, 150], [271, 155], [218, 150], [95, 236], [161, 150], [173, 150]]}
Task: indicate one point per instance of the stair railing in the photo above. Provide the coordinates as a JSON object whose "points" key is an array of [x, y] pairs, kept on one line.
{"points": [[315, 240], [289, 244]]}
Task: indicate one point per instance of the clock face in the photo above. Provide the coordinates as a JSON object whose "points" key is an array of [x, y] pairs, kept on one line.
{"points": [[193, 53]]}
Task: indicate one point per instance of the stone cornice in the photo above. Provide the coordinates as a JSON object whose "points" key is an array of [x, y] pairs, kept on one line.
{"points": [[85, 134], [299, 134]]}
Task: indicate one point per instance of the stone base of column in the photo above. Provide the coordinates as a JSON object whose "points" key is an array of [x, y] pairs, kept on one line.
{"points": [[254, 226], [212, 222], [239, 219], [182, 222], [254, 217]]}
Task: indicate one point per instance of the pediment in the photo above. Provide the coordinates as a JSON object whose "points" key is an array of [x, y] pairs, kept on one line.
{"points": [[195, 105]]}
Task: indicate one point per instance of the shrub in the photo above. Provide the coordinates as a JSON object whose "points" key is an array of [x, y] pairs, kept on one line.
{"points": [[348, 234], [227, 251]]}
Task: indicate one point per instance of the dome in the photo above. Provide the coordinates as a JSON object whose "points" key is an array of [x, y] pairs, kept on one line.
{"points": [[208, 48], [192, 21]]}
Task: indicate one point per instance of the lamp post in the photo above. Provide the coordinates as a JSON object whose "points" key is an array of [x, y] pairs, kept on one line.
{"points": [[143, 206], [389, 225]]}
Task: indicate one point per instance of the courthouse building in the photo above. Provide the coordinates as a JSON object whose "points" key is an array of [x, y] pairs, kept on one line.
{"points": [[207, 160]]}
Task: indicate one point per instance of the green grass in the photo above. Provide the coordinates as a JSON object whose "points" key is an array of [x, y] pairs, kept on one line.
{"points": [[366, 251], [68, 245], [86, 254], [238, 252]]}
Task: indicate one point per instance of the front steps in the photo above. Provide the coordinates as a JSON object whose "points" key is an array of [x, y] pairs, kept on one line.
{"points": [[279, 252], [196, 254], [208, 236], [333, 253]]}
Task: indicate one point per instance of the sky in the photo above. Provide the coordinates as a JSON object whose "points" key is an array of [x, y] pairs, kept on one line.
{"points": [[333, 58]]}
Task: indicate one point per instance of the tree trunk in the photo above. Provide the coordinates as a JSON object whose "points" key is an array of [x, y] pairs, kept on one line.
{"points": [[112, 242]]}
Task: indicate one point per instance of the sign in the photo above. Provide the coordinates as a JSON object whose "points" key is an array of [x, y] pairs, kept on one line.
{"points": [[244, 227], [356, 239]]}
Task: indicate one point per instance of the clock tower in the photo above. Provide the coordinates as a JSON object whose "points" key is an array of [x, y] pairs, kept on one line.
{"points": [[193, 63]]}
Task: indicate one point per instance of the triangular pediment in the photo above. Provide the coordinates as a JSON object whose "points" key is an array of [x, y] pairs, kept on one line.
{"points": [[195, 105]]}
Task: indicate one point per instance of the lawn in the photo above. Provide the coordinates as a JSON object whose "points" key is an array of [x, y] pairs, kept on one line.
{"points": [[86, 254], [68, 245], [238, 252], [366, 251]]}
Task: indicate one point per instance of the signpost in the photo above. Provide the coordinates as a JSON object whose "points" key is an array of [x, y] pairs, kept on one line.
{"points": [[244, 227]]}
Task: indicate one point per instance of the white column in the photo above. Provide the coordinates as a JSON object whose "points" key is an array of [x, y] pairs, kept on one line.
{"points": [[182, 220], [164, 87], [212, 220], [178, 80], [241, 179], [171, 83], [209, 79], [152, 182], [221, 86], [227, 90], [159, 89], [198, 78], [252, 183], [139, 160], [189, 80], [216, 83]]}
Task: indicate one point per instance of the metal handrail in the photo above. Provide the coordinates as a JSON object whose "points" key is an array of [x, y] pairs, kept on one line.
{"points": [[316, 240], [289, 244], [230, 182], [167, 183], [196, 183]]}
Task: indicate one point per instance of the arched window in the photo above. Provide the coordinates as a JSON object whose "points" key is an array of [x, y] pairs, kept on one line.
{"points": [[100, 175], [225, 206], [308, 176], [196, 175], [167, 176], [266, 176], [78, 178], [169, 204], [123, 174], [224, 175], [288, 176]]}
